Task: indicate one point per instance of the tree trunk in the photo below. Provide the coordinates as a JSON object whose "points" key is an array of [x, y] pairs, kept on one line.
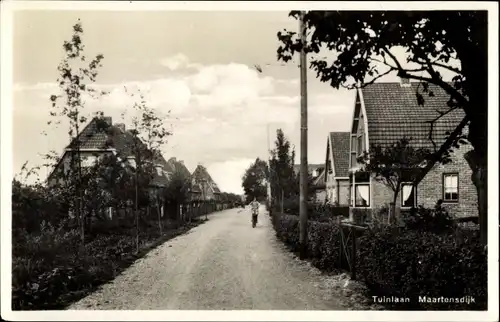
{"points": [[159, 217], [474, 60], [136, 217], [480, 179], [391, 218]]}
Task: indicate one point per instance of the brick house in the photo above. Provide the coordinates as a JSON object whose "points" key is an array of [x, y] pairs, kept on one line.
{"points": [[97, 141], [337, 168], [385, 113], [317, 172]]}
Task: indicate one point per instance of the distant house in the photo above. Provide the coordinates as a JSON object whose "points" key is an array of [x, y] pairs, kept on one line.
{"points": [[100, 138], [337, 168], [203, 186], [316, 171], [386, 112]]}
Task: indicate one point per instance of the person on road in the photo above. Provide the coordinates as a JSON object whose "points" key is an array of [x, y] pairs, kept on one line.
{"points": [[254, 205]]}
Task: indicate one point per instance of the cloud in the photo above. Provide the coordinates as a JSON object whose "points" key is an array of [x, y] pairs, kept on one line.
{"points": [[175, 62], [42, 86], [228, 174], [220, 114]]}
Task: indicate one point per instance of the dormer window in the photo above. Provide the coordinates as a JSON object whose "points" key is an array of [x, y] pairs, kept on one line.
{"points": [[404, 82], [89, 161]]}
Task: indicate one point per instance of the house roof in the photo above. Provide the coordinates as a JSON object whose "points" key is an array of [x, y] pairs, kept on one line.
{"points": [[340, 152], [201, 173], [178, 166], [96, 136], [320, 180], [392, 112], [310, 167]]}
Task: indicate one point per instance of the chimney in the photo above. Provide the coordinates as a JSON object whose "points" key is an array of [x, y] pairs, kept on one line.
{"points": [[404, 82], [121, 126], [173, 159], [181, 162]]}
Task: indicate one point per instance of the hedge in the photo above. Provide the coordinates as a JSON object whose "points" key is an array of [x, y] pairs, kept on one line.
{"points": [[51, 270], [401, 262], [323, 247], [406, 263], [316, 211]]}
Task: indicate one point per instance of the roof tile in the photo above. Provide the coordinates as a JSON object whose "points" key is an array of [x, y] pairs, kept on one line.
{"points": [[392, 113], [340, 151]]}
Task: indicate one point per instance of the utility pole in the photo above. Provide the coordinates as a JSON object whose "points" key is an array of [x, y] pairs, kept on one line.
{"points": [[303, 140], [268, 169]]}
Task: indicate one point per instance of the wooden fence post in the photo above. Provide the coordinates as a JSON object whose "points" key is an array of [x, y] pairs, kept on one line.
{"points": [[341, 246], [353, 255]]}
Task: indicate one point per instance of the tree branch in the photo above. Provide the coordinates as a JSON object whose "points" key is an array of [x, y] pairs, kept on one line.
{"points": [[453, 69], [376, 78], [464, 103], [444, 147]]}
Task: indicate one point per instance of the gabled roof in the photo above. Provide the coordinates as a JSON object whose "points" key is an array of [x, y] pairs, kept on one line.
{"points": [[320, 179], [200, 174], [310, 168], [101, 135], [340, 151], [179, 167], [392, 112]]}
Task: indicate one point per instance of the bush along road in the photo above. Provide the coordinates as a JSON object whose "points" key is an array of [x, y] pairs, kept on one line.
{"points": [[223, 264], [55, 271], [398, 263]]}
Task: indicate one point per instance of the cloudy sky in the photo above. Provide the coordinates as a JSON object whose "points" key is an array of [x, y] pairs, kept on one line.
{"points": [[197, 65]]}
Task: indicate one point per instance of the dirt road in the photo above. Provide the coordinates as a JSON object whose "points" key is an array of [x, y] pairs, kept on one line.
{"points": [[223, 264]]}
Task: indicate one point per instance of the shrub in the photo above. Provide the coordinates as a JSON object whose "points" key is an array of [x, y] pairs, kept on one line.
{"points": [[436, 220], [406, 263], [50, 268], [400, 262], [323, 241], [315, 211]]}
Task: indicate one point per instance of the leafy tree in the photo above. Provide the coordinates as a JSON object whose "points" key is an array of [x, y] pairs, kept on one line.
{"points": [[365, 45], [76, 75], [395, 165], [282, 177], [177, 191], [254, 180], [149, 135]]}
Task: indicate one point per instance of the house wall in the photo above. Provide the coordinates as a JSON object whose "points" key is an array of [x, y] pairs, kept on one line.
{"points": [[430, 188], [65, 163], [381, 195], [344, 193], [321, 196], [331, 186]]}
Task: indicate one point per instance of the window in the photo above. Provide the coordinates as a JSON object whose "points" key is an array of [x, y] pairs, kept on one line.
{"points": [[362, 195], [89, 161], [408, 195], [450, 187]]}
